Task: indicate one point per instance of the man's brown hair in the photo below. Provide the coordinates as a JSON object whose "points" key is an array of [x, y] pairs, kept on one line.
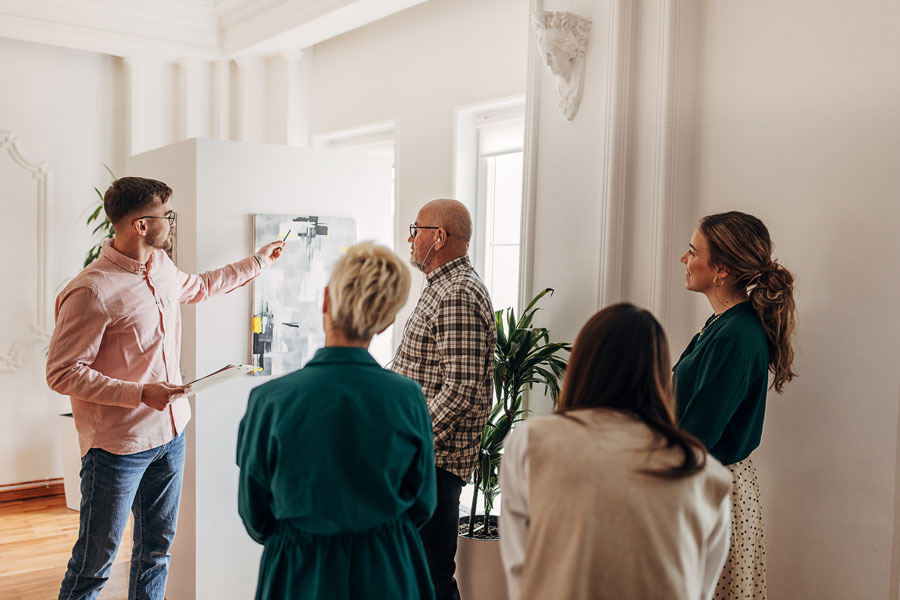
{"points": [[129, 195]]}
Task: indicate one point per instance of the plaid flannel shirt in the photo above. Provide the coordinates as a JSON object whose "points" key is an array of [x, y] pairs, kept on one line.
{"points": [[448, 347]]}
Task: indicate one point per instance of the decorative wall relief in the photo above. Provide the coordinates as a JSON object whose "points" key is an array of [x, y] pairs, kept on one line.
{"points": [[23, 195], [562, 39], [286, 323]]}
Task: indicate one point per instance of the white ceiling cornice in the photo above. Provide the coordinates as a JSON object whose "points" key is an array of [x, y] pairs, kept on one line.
{"points": [[234, 12], [299, 24], [206, 29], [117, 27], [95, 40]]}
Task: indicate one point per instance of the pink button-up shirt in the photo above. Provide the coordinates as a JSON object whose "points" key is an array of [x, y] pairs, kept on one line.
{"points": [[118, 326]]}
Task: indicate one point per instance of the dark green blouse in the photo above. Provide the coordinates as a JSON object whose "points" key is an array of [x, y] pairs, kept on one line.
{"points": [[721, 381], [337, 472]]}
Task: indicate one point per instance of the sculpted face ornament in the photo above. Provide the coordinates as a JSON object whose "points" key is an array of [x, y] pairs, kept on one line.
{"points": [[562, 38]]}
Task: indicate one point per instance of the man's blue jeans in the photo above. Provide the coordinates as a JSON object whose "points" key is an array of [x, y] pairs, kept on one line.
{"points": [[147, 483]]}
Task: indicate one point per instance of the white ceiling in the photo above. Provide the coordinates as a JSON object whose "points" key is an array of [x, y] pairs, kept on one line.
{"points": [[208, 29]]}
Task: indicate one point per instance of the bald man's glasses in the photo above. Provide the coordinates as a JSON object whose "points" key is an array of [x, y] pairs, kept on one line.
{"points": [[414, 230]]}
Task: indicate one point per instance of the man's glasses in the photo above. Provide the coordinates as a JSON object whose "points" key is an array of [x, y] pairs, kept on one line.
{"points": [[414, 230], [170, 216]]}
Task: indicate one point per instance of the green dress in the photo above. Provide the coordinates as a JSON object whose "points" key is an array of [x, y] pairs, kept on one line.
{"points": [[721, 381], [336, 475]]}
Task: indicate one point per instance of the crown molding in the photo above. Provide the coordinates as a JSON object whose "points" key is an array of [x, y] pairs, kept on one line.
{"points": [[298, 24], [235, 12], [204, 29], [115, 43]]}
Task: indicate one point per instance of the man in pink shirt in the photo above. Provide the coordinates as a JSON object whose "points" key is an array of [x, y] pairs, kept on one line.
{"points": [[115, 352]]}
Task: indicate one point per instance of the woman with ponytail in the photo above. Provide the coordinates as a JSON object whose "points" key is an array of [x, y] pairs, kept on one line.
{"points": [[722, 378], [607, 498]]}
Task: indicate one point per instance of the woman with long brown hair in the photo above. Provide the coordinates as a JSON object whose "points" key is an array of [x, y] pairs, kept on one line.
{"points": [[721, 379], [607, 498]]}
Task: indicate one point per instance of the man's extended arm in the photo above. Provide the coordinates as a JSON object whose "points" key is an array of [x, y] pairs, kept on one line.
{"points": [[197, 288]]}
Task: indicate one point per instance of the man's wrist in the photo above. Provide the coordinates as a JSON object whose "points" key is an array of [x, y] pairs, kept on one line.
{"points": [[259, 260]]}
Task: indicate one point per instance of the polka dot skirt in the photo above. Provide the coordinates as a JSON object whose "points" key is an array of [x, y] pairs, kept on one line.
{"points": [[744, 574]]}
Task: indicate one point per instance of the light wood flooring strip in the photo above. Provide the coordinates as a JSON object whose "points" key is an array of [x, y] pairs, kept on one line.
{"points": [[36, 538]]}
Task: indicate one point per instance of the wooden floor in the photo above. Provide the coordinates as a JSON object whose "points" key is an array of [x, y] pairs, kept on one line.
{"points": [[36, 538]]}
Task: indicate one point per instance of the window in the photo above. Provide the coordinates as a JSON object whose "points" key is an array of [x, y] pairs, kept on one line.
{"points": [[499, 206], [488, 179], [488, 172]]}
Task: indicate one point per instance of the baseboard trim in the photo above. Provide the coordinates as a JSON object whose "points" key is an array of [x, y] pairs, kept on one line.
{"points": [[31, 489]]}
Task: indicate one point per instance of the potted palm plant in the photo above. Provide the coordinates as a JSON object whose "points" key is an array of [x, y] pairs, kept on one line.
{"points": [[524, 356]]}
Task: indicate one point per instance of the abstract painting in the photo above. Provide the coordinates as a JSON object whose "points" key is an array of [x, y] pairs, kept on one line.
{"points": [[286, 323]]}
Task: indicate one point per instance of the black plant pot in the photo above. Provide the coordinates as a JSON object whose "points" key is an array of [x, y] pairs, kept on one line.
{"points": [[478, 530]]}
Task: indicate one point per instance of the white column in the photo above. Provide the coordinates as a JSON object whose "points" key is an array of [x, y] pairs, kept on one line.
{"points": [[134, 92], [299, 81], [673, 118], [613, 158], [287, 117], [624, 164], [249, 117], [221, 99], [575, 178], [191, 92]]}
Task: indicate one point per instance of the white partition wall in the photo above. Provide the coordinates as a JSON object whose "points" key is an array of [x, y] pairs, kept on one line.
{"points": [[217, 186]]}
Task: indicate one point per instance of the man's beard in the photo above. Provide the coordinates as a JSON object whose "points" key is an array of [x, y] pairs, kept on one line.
{"points": [[163, 243], [421, 265]]}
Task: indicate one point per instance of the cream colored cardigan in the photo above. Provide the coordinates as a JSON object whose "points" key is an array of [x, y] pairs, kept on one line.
{"points": [[579, 520]]}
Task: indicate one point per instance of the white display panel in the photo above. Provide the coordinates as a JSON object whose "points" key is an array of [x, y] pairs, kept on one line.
{"points": [[217, 186]]}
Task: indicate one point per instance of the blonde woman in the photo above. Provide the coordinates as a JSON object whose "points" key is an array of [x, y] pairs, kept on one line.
{"points": [[336, 459]]}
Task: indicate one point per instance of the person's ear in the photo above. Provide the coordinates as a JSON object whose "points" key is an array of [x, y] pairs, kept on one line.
{"points": [[325, 302], [440, 239], [140, 227]]}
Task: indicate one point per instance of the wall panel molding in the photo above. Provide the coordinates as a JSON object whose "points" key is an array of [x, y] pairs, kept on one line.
{"points": [[530, 165], [664, 157], [672, 186], [39, 332], [618, 53]]}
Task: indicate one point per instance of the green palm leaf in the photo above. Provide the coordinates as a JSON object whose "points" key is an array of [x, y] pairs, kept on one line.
{"points": [[104, 227], [524, 356]]}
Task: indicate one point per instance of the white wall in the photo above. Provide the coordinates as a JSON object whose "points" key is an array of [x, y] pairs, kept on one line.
{"points": [[251, 98], [66, 107], [416, 68], [217, 187], [792, 116], [72, 110], [787, 111], [799, 124]]}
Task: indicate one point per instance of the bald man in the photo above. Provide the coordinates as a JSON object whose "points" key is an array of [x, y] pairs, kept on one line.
{"points": [[448, 347]]}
